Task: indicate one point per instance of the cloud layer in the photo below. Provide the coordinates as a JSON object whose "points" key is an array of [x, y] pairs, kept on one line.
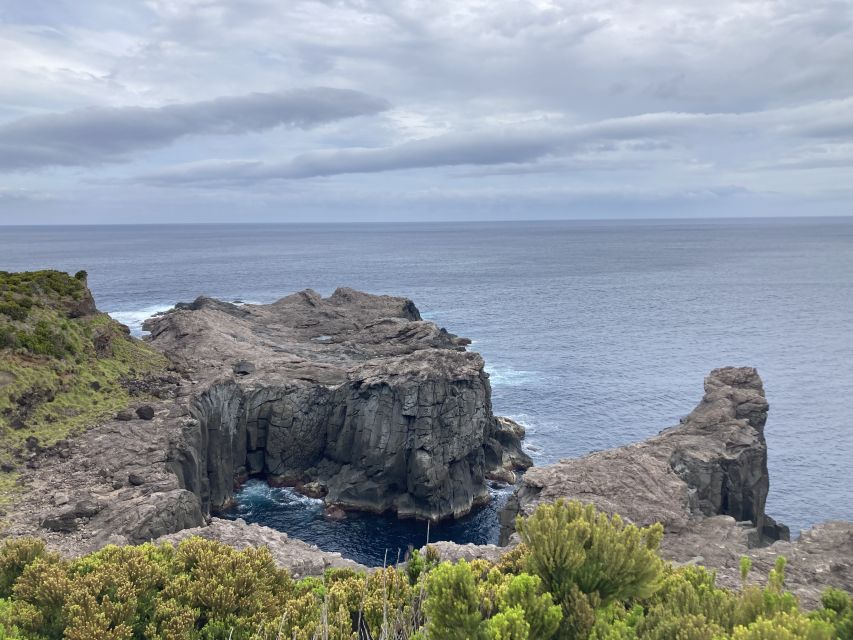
{"points": [[257, 109], [97, 135]]}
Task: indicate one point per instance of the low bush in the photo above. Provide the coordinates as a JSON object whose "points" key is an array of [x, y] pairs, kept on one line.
{"points": [[203, 590]]}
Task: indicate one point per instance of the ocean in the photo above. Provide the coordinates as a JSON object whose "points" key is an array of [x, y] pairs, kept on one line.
{"points": [[595, 334]]}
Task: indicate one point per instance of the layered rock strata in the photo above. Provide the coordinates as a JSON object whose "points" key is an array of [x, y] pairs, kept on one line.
{"points": [[354, 393]]}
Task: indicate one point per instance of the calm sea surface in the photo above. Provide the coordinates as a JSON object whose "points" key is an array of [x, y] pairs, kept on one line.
{"points": [[595, 334]]}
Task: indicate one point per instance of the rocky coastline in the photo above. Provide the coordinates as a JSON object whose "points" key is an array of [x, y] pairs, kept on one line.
{"points": [[356, 399]]}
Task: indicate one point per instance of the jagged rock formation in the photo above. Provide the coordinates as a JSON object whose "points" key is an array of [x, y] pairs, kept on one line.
{"points": [[713, 463], [354, 392]]}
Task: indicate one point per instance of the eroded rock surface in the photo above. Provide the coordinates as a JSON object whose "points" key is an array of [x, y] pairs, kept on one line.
{"points": [[354, 392], [713, 463]]}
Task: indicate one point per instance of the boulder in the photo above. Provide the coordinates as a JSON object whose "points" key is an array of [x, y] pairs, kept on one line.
{"points": [[64, 522], [244, 368], [145, 412]]}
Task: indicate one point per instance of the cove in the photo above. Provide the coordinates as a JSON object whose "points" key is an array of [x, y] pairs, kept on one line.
{"points": [[361, 536]]}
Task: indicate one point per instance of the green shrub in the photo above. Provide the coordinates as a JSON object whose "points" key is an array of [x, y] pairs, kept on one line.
{"points": [[47, 340], [588, 560], [203, 590], [575, 545], [8, 339], [452, 606], [14, 311], [838, 611], [15, 555]]}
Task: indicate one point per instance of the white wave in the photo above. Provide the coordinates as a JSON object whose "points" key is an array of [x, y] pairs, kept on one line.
{"points": [[135, 318], [524, 420], [290, 496], [508, 377]]}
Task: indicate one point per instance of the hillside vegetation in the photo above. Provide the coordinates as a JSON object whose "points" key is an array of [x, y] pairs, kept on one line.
{"points": [[63, 365], [579, 575]]}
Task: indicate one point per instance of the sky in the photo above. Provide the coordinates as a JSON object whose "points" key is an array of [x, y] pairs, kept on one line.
{"points": [[165, 111]]}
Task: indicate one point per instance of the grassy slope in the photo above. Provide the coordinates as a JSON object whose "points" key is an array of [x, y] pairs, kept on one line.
{"points": [[62, 359]]}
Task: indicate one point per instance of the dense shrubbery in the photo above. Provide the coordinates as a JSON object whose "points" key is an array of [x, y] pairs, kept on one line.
{"points": [[29, 302], [579, 574]]}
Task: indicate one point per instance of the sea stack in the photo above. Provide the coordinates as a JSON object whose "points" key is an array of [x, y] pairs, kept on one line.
{"points": [[713, 463]]}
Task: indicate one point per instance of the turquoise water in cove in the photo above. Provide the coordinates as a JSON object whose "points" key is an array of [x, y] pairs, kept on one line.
{"points": [[595, 334]]}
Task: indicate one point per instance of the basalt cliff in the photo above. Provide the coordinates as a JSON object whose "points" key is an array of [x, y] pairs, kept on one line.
{"points": [[354, 396]]}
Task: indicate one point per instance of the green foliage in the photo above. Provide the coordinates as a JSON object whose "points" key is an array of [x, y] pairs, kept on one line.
{"points": [[15, 555], [745, 567], [452, 606], [525, 592], [61, 365], [47, 340], [509, 624], [418, 563], [8, 631], [587, 560], [573, 545], [837, 611], [203, 590]]}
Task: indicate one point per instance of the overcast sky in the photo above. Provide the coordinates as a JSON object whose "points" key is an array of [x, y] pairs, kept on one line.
{"points": [[265, 110]]}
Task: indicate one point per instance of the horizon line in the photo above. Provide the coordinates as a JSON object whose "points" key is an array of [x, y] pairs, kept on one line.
{"points": [[722, 218]]}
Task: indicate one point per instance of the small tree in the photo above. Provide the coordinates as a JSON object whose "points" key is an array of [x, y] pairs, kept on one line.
{"points": [[575, 545], [452, 606], [588, 560]]}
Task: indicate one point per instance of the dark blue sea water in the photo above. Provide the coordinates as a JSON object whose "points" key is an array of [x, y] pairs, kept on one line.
{"points": [[595, 333]]}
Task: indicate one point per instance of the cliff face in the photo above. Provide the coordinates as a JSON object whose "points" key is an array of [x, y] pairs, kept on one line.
{"points": [[713, 463], [354, 392]]}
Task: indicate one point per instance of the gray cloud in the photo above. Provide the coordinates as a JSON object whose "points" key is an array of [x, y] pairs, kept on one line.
{"points": [[517, 99], [97, 135], [519, 146]]}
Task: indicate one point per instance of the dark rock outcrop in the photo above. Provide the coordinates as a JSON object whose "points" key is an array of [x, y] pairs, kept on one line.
{"points": [[713, 463], [355, 392]]}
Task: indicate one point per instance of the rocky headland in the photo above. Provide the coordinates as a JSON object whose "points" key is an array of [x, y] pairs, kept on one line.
{"points": [[356, 399], [353, 398]]}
